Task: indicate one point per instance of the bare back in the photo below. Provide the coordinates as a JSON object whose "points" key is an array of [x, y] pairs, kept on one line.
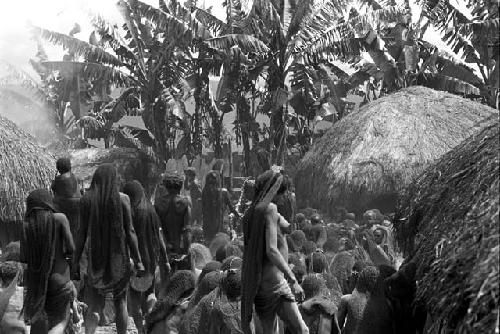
{"points": [[64, 245]]}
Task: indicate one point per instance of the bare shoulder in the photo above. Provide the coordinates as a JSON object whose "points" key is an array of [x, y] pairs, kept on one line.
{"points": [[60, 218], [124, 199]]}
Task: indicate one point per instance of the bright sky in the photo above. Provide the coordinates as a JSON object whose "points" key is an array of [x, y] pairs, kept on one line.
{"points": [[17, 47]]}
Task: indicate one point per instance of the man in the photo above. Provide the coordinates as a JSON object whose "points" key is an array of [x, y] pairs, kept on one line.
{"points": [[152, 249], [46, 245], [66, 194], [175, 215], [215, 201], [106, 222], [266, 274], [352, 306], [65, 184], [193, 186]]}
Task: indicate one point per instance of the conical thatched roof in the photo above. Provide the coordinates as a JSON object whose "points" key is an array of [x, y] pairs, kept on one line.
{"points": [[24, 166], [447, 222], [368, 157]]}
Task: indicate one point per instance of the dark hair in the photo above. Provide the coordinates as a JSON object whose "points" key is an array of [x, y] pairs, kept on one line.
{"points": [[63, 165], [367, 279], [331, 245], [313, 285], [173, 181], [298, 237], [309, 247], [226, 251], [316, 262]]}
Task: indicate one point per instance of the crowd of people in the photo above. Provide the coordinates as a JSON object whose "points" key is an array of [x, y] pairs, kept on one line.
{"points": [[198, 264]]}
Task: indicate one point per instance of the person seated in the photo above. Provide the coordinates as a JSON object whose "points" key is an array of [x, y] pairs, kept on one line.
{"points": [[11, 298], [167, 313], [225, 317], [318, 310]]}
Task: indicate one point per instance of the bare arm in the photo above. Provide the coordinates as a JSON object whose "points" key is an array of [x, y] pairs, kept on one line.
{"points": [[69, 244], [342, 312], [82, 233], [187, 217], [272, 250], [129, 230]]}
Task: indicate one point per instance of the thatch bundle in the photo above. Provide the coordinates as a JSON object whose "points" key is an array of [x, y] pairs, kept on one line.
{"points": [[368, 157], [131, 164], [447, 222], [24, 166]]}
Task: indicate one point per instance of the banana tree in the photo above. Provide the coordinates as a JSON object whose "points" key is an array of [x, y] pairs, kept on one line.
{"points": [[474, 36], [384, 30]]}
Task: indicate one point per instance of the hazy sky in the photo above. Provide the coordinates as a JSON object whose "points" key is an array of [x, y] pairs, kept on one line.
{"points": [[17, 47]]}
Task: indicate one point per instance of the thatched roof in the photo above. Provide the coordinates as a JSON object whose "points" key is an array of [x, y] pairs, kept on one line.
{"points": [[368, 157], [24, 166], [130, 163], [448, 223]]}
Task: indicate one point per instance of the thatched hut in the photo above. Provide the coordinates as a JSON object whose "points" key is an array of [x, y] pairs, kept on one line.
{"points": [[447, 223], [131, 164], [24, 166], [369, 156]]}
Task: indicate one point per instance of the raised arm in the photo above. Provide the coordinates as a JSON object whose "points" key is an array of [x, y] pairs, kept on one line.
{"points": [[129, 230]]}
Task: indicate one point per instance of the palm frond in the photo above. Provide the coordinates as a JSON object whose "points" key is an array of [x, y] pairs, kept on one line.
{"points": [[182, 30], [17, 76], [91, 71], [244, 42], [302, 9], [449, 84], [211, 22], [268, 12], [78, 47]]}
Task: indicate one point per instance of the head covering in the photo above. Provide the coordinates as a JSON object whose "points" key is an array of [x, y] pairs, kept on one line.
{"points": [[266, 188], [40, 236], [109, 263], [181, 285], [313, 285], [209, 267]]}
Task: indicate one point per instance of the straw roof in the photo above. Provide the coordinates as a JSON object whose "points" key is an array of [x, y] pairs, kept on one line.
{"points": [[24, 166], [130, 163], [369, 156], [447, 222]]}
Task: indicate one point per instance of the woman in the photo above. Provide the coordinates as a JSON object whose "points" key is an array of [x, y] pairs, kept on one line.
{"points": [[151, 247], [46, 246]]}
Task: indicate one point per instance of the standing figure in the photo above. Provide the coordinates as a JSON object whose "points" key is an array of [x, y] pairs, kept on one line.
{"points": [[152, 249], [46, 246], [352, 306], [66, 194], [193, 186], [267, 278], [175, 215], [106, 221], [214, 201]]}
